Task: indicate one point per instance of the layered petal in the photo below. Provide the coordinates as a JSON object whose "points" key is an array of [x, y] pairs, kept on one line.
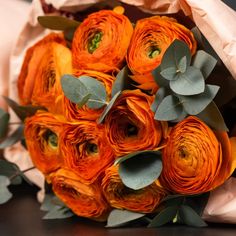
{"points": [[73, 112], [39, 80], [84, 200], [130, 124], [151, 37], [196, 159], [85, 150], [42, 132], [118, 195], [100, 43]]}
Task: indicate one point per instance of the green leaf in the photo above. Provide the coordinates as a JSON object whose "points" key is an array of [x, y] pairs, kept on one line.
{"points": [[50, 201], [169, 73], [183, 64], [120, 217], [174, 53], [169, 109], [190, 82], [16, 136], [195, 104], [5, 195], [108, 107], [4, 119], [22, 111], [57, 22], [160, 94], [10, 169], [122, 81], [190, 217], [162, 82], [205, 62], [165, 216], [212, 117], [58, 212], [74, 89], [140, 169], [69, 34], [180, 117], [97, 90]]}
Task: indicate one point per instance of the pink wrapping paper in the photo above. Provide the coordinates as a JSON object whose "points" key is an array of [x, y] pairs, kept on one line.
{"points": [[212, 18]]}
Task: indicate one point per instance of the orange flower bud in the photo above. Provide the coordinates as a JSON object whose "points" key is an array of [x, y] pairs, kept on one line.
{"points": [[84, 200], [130, 124], [85, 149], [101, 41], [118, 195], [39, 81], [41, 134], [195, 159], [151, 37]]}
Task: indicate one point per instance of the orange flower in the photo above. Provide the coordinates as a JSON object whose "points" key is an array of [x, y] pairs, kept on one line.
{"points": [[130, 124], [39, 81], [41, 134], [195, 159], [151, 37], [84, 200], [71, 110], [101, 41], [85, 149], [118, 195]]}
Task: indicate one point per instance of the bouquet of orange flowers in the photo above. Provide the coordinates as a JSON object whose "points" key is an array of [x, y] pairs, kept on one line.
{"points": [[121, 121]]}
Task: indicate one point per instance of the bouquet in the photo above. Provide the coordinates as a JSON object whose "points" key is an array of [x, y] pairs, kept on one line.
{"points": [[120, 119]]}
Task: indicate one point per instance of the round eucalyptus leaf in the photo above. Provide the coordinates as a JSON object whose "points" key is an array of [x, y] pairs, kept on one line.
{"points": [[5, 195], [190, 82]]}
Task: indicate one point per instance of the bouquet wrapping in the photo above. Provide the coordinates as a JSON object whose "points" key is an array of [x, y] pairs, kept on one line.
{"points": [[75, 146]]}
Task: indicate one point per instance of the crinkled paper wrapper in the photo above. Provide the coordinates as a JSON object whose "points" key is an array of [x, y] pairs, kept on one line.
{"points": [[214, 19]]}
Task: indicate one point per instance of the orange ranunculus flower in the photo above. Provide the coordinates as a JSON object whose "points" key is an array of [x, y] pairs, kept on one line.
{"points": [[118, 195], [196, 159], [84, 200], [39, 80], [130, 124], [100, 43], [151, 37], [42, 132], [73, 112], [85, 149]]}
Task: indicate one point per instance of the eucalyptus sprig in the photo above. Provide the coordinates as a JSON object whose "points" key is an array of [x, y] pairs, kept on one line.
{"points": [[183, 89]]}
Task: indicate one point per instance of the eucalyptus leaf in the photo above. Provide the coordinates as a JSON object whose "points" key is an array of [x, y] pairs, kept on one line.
{"points": [[205, 62], [69, 34], [50, 201], [120, 217], [22, 111], [169, 109], [73, 88], [140, 169], [161, 81], [195, 104], [160, 94], [197, 35], [212, 117], [96, 90], [4, 119], [10, 169], [165, 216], [58, 212], [191, 82], [16, 136], [57, 22], [182, 66], [108, 107], [190, 217], [5, 194], [122, 81], [181, 117], [174, 53], [169, 73]]}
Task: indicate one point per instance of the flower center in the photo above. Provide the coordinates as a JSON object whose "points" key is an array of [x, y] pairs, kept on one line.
{"points": [[52, 139], [154, 51], [94, 42], [91, 148], [131, 130]]}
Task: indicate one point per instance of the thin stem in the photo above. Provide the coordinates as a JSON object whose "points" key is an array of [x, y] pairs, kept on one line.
{"points": [[15, 123], [18, 173]]}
